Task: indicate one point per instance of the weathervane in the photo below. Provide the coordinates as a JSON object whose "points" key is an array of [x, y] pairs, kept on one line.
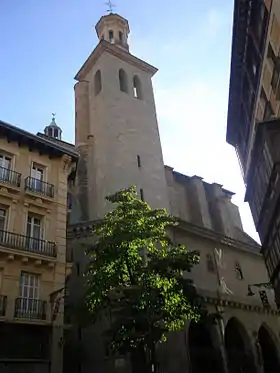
{"points": [[53, 117], [110, 6]]}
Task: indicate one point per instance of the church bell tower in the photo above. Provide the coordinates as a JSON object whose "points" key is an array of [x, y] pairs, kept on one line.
{"points": [[116, 129]]}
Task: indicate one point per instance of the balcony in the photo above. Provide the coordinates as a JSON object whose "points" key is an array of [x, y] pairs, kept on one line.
{"points": [[39, 187], [30, 309], [3, 305], [32, 341], [9, 177], [27, 244]]}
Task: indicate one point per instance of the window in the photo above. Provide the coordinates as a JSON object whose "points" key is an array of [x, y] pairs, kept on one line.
{"points": [[111, 36], [123, 81], [142, 194], [29, 285], [210, 263], [138, 161], [97, 82], [121, 37], [137, 88], [5, 167], [34, 233], [37, 177], [3, 218], [29, 293], [238, 271]]}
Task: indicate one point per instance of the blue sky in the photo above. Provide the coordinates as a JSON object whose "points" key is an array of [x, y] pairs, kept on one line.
{"points": [[44, 43]]}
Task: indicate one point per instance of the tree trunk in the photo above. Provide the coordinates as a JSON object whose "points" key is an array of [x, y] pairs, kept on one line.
{"points": [[153, 360], [139, 361]]}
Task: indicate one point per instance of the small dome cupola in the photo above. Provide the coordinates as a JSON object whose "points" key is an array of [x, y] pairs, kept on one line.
{"points": [[114, 29], [53, 130]]}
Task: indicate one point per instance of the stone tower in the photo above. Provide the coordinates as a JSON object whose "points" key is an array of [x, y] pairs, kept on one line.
{"points": [[116, 129]]}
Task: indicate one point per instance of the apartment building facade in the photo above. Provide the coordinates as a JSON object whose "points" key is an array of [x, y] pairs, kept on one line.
{"points": [[33, 198], [253, 127]]}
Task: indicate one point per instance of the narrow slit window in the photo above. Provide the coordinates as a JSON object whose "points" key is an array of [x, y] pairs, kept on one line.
{"points": [[138, 161], [210, 263], [142, 194], [238, 271], [97, 82]]}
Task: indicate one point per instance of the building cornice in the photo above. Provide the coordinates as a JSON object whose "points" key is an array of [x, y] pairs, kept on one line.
{"points": [[85, 229], [211, 298], [217, 237], [105, 46]]}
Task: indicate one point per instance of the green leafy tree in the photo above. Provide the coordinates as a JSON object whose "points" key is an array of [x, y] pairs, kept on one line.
{"points": [[136, 273]]}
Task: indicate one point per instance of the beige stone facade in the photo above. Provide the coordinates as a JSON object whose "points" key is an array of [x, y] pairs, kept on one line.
{"points": [[33, 211]]}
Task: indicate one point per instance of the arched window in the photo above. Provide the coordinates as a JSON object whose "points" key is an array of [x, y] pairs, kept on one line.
{"points": [[50, 131], [210, 263], [137, 87], [123, 81], [121, 37], [111, 36], [238, 271], [97, 82]]}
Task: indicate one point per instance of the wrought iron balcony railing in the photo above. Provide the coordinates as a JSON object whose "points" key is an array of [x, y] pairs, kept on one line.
{"points": [[25, 243], [39, 187], [3, 305], [10, 177], [32, 309]]}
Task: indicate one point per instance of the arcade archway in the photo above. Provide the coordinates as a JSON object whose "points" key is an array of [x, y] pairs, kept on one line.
{"points": [[204, 357], [270, 357], [240, 356]]}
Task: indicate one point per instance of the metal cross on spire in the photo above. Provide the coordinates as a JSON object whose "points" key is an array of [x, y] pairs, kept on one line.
{"points": [[110, 6], [53, 117]]}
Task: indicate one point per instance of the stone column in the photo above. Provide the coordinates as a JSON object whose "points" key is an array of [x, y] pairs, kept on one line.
{"points": [[219, 341]]}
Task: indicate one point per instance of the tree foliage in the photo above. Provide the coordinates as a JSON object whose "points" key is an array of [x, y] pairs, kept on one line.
{"points": [[136, 272]]}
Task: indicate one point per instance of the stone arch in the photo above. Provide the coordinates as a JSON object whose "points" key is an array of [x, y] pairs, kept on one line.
{"points": [[123, 81], [202, 351], [239, 349], [268, 349], [97, 82]]}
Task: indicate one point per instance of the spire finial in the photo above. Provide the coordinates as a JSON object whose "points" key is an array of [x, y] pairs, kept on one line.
{"points": [[110, 6], [53, 117]]}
